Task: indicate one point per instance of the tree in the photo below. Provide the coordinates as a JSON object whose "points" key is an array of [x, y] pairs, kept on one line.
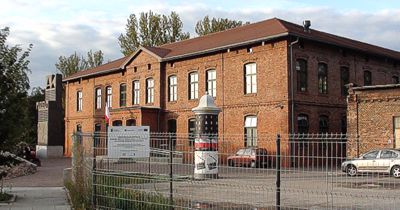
{"points": [[14, 86], [207, 26], [74, 63], [151, 30]]}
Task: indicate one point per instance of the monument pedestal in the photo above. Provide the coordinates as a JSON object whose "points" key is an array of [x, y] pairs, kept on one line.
{"points": [[44, 151]]}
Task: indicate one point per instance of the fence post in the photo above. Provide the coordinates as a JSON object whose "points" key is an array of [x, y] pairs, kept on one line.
{"points": [[94, 172], [278, 172], [171, 196]]}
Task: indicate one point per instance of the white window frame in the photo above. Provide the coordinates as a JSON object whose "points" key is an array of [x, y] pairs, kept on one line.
{"points": [[108, 96], [250, 129], [250, 78], [79, 105], [212, 82], [136, 92], [173, 88], [150, 90], [194, 85], [98, 98]]}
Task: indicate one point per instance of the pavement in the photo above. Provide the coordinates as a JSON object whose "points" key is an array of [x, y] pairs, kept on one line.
{"points": [[40, 191]]}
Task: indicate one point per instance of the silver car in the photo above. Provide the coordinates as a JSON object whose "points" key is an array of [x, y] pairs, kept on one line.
{"points": [[375, 161]]}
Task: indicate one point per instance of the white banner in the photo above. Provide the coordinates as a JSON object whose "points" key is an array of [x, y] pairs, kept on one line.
{"points": [[128, 141]]}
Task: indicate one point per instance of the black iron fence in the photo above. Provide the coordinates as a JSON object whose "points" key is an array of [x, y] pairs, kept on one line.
{"points": [[298, 171]]}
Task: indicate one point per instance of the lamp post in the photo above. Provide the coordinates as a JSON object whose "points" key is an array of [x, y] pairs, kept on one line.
{"points": [[206, 138]]}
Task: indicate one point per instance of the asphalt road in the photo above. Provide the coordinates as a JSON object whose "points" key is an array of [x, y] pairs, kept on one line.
{"points": [[248, 188]]}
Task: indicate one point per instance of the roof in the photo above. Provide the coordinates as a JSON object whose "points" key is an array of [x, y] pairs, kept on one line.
{"points": [[375, 87], [236, 37]]}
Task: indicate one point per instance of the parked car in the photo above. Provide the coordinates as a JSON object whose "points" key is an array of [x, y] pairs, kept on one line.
{"points": [[375, 161], [249, 157]]}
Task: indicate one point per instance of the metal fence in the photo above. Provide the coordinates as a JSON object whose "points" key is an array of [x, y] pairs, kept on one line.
{"points": [[296, 172]]}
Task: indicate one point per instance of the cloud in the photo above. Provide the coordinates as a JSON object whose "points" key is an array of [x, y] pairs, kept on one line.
{"points": [[60, 28]]}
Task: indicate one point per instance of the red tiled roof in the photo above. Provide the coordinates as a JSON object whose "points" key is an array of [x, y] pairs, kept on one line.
{"points": [[260, 31]]}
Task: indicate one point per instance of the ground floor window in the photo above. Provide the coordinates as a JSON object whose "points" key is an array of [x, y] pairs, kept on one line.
{"points": [[250, 131]]}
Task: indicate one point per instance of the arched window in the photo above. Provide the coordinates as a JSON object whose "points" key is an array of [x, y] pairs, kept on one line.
{"points": [[301, 69], [150, 90], [395, 80], [323, 124], [191, 130], [322, 78], [302, 123], [97, 127], [79, 101], [344, 80], [117, 123], [211, 84], [250, 131], [98, 98], [109, 96], [172, 88], [131, 122], [193, 85], [250, 75], [367, 78], [122, 94], [136, 92]]}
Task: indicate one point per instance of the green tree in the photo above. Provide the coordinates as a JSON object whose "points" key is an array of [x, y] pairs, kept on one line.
{"points": [[14, 86], [74, 63], [151, 29], [207, 26], [30, 132]]}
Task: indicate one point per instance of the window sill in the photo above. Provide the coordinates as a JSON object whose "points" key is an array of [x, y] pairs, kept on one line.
{"points": [[250, 94], [303, 92], [194, 99], [172, 102]]}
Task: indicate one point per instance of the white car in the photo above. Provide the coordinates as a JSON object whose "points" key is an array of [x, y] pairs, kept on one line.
{"points": [[375, 161]]}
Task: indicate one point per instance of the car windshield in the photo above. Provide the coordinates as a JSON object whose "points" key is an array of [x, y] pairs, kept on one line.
{"points": [[240, 152]]}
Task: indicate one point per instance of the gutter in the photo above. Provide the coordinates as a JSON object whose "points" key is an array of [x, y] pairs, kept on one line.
{"points": [[92, 74]]}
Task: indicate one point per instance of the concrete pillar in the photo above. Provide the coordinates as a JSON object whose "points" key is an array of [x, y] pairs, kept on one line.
{"points": [[206, 139]]}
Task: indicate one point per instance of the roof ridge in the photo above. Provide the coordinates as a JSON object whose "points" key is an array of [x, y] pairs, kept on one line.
{"points": [[218, 32]]}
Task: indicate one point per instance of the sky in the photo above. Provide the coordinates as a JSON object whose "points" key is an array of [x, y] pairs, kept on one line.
{"points": [[61, 27]]}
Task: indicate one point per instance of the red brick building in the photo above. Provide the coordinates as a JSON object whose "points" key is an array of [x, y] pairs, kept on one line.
{"points": [[373, 115], [247, 69]]}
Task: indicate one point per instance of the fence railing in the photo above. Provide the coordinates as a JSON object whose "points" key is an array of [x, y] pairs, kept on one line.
{"points": [[297, 171]]}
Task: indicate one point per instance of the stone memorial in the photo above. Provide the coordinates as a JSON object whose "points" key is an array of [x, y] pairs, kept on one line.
{"points": [[51, 120]]}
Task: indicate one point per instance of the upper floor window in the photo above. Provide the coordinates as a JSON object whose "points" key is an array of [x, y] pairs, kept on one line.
{"points": [[98, 98], [150, 90], [122, 95], [322, 78], [344, 80], [109, 96], [251, 78], [212, 83], [79, 99], [302, 123], [173, 88], [323, 124], [301, 69], [367, 78], [136, 92], [395, 80], [250, 131], [193, 85]]}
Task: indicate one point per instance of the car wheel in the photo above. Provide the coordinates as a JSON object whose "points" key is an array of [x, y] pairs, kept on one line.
{"points": [[351, 170], [253, 164], [230, 163], [396, 171]]}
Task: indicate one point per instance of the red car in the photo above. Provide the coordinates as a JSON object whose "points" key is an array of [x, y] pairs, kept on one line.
{"points": [[250, 157]]}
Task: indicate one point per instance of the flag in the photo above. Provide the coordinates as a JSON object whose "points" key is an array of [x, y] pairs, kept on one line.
{"points": [[107, 115]]}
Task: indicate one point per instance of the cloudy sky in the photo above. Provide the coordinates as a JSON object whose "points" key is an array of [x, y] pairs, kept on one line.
{"points": [[60, 27]]}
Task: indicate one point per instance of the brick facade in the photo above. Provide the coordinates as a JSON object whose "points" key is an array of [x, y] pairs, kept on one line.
{"points": [[271, 103], [371, 116]]}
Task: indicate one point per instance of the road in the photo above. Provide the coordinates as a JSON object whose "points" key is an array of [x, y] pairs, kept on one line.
{"points": [[256, 188]]}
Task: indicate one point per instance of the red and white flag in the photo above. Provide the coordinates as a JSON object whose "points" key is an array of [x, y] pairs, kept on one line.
{"points": [[107, 115]]}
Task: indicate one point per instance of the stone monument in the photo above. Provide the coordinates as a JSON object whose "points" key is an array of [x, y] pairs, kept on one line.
{"points": [[51, 120], [206, 139]]}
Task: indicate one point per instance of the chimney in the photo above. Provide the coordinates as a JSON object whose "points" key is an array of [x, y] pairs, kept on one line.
{"points": [[306, 25]]}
